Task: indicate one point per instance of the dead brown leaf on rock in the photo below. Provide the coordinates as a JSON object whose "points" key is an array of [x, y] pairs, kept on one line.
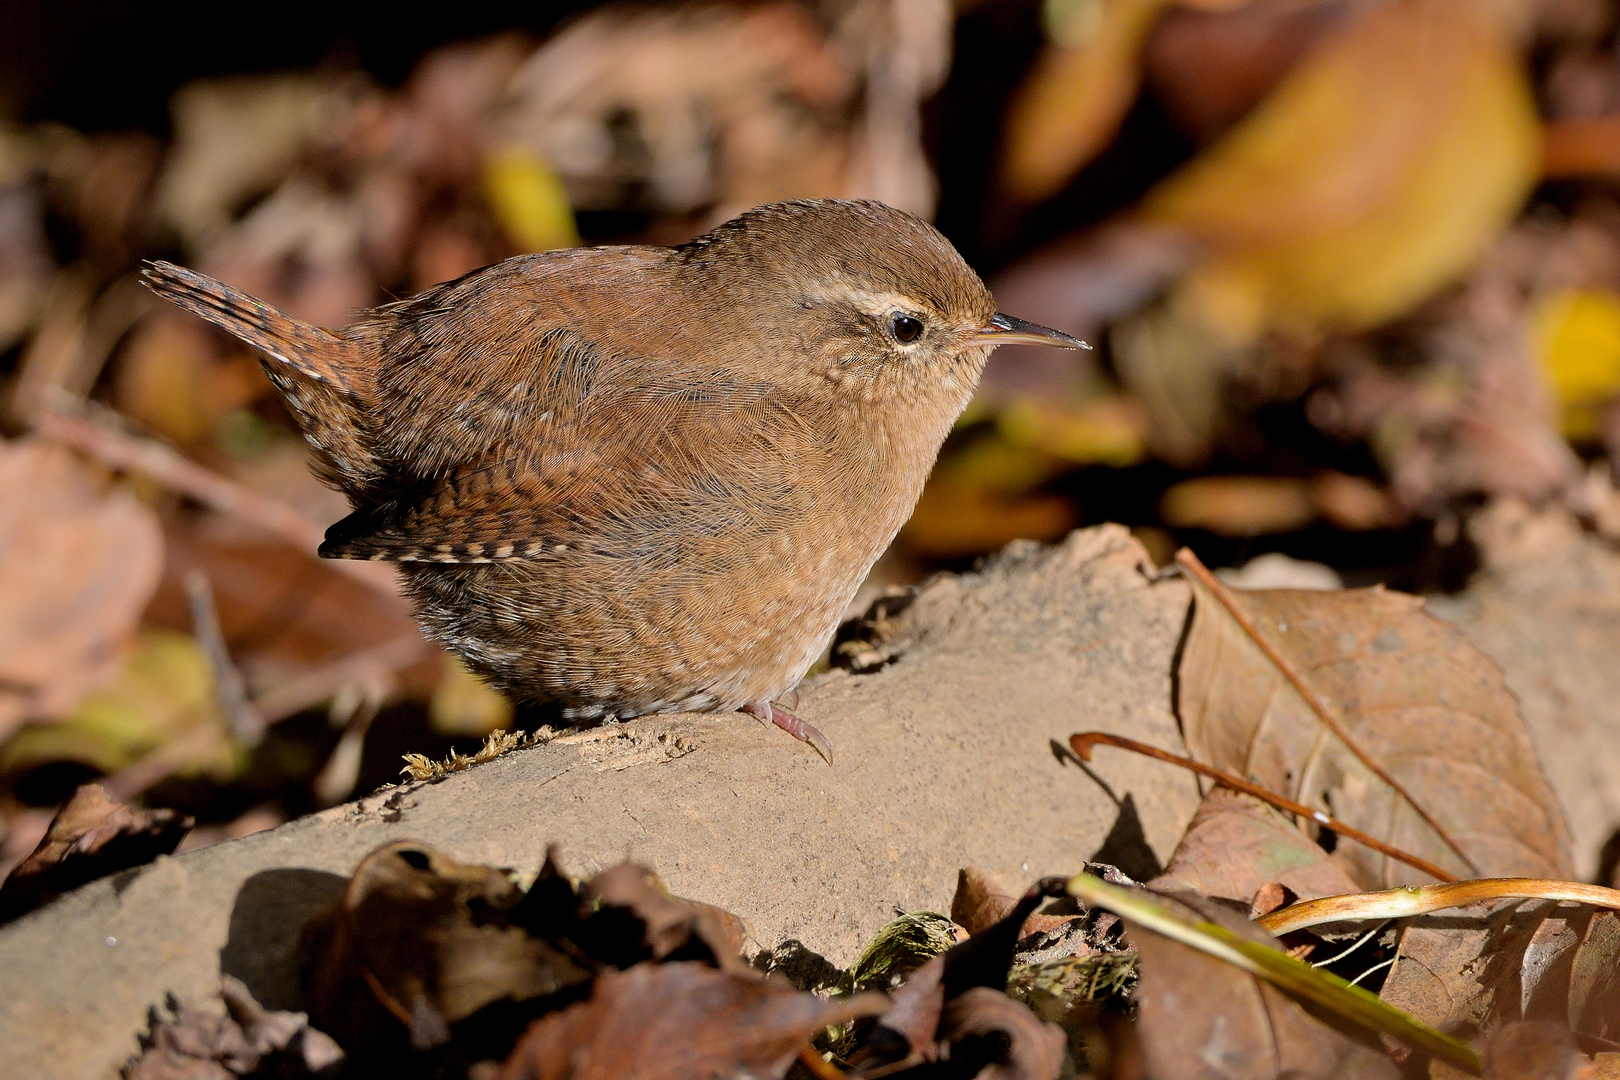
{"points": [[78, 563], [679, 1020], [457, 951], [198, 1043], [90, 837], [1200, 1017], [1417, 698], [1236, 844], [637, 918], [981, 900], [429, 941]]}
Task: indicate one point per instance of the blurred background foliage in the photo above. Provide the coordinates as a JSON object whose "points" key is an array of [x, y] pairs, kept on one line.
{"points": [[1352, 268]]}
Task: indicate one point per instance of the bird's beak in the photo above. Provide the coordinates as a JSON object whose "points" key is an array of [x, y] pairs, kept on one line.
{"points": [[1006, 330]]}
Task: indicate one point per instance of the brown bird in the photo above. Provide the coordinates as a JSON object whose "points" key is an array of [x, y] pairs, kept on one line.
{"points": [[627, 480]]}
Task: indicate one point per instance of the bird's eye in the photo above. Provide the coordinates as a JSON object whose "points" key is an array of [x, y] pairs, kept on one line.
{"points": [[905, 328]]}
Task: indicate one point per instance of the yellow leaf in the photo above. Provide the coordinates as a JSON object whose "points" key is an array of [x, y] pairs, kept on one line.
{"points": [[1375, 173], [529, 200], [163, 697], [1079, 91], [1576, 334], [1106, 431], [464, 704]]}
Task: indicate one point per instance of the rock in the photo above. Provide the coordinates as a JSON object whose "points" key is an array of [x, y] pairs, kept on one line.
{"points": [[943, 759]]}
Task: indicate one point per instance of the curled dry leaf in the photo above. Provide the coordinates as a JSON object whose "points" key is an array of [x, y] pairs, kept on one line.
{"points": [[434, 942], [677, 1020], [981, 900], [639, 919], [430, 941], [77, 565], [200, 1044], [1236, 844], [1200, 1017], [1033, 1050], [1410, 690], [90, 837], [1478, 971]]}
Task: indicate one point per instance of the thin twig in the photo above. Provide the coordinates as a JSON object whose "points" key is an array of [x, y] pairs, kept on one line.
{"points": [[1084, 741], [1422, 899], [130, 453], [1190, 563], [247, 726], [367, 665]]}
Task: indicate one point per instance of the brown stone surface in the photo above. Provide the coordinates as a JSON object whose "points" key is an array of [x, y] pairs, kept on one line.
{"points": [[943, 760]]}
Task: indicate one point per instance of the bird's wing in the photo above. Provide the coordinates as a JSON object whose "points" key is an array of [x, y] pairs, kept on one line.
{"points": [[486, 367], [532, 408], [647, 499]]}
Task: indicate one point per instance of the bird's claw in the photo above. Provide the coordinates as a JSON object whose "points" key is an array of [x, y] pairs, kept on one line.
{"points": [[768, 713]]}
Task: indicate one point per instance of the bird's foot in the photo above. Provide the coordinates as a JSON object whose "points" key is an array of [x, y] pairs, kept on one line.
{"points": [[768, 713]]}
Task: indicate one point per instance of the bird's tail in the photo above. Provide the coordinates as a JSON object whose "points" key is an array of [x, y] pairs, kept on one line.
{"points": [[322, 376], [312, 352]]}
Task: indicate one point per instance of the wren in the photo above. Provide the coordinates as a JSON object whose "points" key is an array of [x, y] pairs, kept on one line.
{"points": [[628, 480]]}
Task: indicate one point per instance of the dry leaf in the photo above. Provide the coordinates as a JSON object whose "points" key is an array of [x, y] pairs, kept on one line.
{"points": [[638, 919], [1377, 171], [1199, 1017], [236, 138], [77, 565], [956, 519], [679, 1020], [177, 378], [675, 109], [1409, 689], [162, 698], [529, 201], [1072, 103], [1576, 333], [428, 940], [981, 900], [465, 705], [1479, 970], [1238, 505], [1034, 1050], [1236, 844], [1533, 1051], [197, 1043], [90, 837]]}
